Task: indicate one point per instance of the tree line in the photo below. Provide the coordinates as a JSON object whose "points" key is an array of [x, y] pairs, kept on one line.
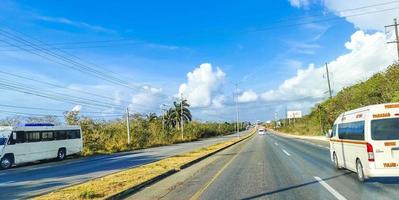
{"points": [[146, 130], [382, 87]]}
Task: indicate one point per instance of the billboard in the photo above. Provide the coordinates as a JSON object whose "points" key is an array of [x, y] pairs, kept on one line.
{"points": [[294, 114]]}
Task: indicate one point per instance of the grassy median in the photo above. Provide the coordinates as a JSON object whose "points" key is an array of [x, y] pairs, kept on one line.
{"points": [[107, 186]]}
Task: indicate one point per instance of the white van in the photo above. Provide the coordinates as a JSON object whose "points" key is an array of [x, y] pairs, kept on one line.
{"points": [[32, 142], [366, 141]]}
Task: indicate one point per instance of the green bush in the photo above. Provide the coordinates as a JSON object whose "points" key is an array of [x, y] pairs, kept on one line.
{"points": [[382, 87]]}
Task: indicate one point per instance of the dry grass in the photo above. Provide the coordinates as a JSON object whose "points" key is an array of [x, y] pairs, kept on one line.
{"points": [[109, 185]]}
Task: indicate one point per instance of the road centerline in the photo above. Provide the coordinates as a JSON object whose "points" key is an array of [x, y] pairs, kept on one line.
{"points": [[330, 189]]}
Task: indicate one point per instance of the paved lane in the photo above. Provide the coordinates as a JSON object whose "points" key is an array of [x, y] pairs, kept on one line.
{"points": [[266, 169], [271, 167], [22, 182]]}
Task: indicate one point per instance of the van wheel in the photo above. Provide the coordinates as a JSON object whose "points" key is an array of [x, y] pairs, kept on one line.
{"points": [[6, 162], [61, 154], [336, 165], [360, 173]]}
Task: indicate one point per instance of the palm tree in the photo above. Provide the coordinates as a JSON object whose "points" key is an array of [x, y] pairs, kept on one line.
{"points": [[169, 118], [175, 115], [181, 112], [151, 117]]}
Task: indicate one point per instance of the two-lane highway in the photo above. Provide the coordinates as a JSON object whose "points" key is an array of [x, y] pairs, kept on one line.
{"points": [[273, 167], [26, 181]]}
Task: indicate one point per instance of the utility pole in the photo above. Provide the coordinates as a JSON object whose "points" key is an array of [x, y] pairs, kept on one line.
{"points": [[328, 79], [395, 24], [321, 125], [128, 126], [275, 120], [181, 116], [238, 119]]}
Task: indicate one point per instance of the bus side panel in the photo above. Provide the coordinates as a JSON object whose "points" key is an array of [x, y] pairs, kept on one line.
{"points": [[21, 155]]}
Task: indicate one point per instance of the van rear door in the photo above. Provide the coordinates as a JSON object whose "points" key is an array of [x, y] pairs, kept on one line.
{"points": [[385, 136]]}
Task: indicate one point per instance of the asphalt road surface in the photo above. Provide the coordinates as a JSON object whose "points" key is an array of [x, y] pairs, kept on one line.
{"points": [[269, 167], [25, 181]]}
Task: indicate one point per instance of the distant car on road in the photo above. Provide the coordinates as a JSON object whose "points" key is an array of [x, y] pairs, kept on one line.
{"points": [[261, 131], [366, 141], [33, 142]]}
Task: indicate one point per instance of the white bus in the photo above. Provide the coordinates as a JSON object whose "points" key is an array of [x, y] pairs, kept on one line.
{"points": [[33, 142], [366, 141]]}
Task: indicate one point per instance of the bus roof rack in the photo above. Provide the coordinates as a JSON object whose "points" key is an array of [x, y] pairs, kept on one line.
{"points": [[37, 124]]}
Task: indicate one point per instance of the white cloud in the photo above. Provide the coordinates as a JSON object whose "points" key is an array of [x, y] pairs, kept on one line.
{"points": [[149, 96], [368, 54], [247, 96], [299, 3], [372, 20], [62, 20], [218, 101], [203, 85], [77, 108]]}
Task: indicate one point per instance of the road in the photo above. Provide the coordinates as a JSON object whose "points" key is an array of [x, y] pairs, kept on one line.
{"points": [[26, 181], [269, 167]]}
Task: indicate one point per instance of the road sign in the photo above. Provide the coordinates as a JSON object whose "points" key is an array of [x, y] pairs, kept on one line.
{"points": [[294, 114]]}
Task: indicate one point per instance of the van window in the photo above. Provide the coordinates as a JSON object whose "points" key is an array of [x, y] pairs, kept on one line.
{"points": [[351, 131], [385, 129], [334, 131]]}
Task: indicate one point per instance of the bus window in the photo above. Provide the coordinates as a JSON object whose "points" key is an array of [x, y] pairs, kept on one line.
{"points": [[73, 134], [60, 135], [47, 136], [385, 129], [33, 136], [21, 137], [11, 140]]}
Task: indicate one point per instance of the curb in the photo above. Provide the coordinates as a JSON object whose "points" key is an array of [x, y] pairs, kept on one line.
{"points": [[299, 136], [139, 187]]}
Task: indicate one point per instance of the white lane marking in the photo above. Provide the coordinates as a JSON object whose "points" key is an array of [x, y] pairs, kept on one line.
{"points": [[286, 152], [330, 189], [276, 144]]}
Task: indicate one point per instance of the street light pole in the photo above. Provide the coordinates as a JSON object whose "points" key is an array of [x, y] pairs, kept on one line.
{"points": [[237, 111]]}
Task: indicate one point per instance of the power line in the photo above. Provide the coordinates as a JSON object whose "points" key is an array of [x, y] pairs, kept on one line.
{"points": [[72, 89], [65, 61]]}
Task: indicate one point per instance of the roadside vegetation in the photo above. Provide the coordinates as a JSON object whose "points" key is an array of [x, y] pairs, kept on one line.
{"points": [[382, 87], [107, 186], [110, 136]]}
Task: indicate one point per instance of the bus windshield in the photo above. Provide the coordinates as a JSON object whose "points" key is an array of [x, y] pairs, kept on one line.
{"points": [[385, 129]]}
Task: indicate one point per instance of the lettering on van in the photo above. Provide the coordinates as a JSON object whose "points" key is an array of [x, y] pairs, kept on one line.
{"points": [[359, 116], [387, 144], [392, 106], [390, 165], [381, 115]]}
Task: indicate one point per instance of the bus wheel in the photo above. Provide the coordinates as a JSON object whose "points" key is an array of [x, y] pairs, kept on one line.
{"points": [[360, 173], [61, 154], [6, 162], [336, 165]]}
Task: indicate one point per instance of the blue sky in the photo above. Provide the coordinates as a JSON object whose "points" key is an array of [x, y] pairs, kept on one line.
{"points": [[153, 45]]}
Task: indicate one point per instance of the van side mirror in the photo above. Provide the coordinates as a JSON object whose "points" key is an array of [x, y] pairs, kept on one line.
{"points": [[14, 136]]}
